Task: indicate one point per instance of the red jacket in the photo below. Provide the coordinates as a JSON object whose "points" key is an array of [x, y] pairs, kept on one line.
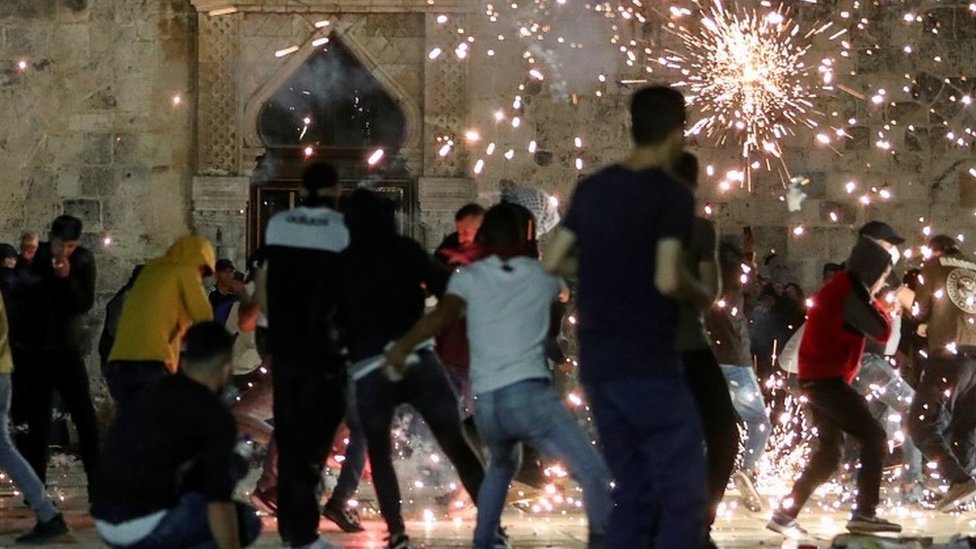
{"points": [[828, 348]]}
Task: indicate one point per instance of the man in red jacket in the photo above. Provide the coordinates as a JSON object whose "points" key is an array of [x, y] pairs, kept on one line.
{"points": [[843, 314]]}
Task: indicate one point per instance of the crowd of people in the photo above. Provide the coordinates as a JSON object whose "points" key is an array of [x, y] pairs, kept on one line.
{"points": [[330, 326]]}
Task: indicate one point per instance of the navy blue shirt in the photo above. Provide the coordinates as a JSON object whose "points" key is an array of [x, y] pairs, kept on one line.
{"points": [[626, 326]]}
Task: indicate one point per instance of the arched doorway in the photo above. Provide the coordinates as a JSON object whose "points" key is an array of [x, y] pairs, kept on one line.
{"points": [[330, 109]]}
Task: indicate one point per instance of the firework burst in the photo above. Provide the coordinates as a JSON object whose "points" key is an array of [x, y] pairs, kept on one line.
{"points": [[746, 74]]}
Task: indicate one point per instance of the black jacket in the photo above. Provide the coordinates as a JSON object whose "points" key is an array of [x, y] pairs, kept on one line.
{"points": [[54, 307]]}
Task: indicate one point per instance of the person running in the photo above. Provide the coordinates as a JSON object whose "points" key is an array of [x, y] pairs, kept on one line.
{"points": [[382, 282], [627, 224], [702, 371], [945, 401], [57, 299], [300, 294], [50, 523], [169, 470], [165, 300], [844, 313], [728, 329], [507, 299]]}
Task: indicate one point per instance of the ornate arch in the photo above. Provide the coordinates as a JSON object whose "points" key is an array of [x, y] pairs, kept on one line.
{"points": [[408, 105]]}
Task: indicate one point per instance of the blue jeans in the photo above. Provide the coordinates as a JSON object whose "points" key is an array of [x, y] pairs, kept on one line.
{"points": [[187, 526], [882, 383], [652, 440], [748, 402], [530, 411], [16, 467]]}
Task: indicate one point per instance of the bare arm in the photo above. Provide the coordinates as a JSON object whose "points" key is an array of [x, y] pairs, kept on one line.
{"points": [[448, 311], [559, 257], [222, 518]]}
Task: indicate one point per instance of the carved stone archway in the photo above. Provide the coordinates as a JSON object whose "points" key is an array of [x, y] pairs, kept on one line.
{"points": [[242, 61]]}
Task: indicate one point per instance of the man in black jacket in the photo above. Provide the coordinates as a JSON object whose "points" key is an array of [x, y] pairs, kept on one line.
{"points": [[59, 292]]}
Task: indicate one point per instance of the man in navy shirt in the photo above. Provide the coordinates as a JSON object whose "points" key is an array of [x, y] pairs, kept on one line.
{"points": [[627, 224]]}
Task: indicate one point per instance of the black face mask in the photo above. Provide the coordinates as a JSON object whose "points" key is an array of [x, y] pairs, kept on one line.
{"points": [[868, 261]]}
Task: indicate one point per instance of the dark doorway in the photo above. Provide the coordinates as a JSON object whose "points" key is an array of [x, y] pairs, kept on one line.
{"points": [[331, 109]]}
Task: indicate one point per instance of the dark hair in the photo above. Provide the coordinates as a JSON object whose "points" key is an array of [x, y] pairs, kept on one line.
{"points": [[506, 229], [208, 346], [829, 269], [66, 227], [687, 169], [469, 210], [944, 244], [655, 113], [911, 279], [6, 250], [320, 175], [369, 217]]}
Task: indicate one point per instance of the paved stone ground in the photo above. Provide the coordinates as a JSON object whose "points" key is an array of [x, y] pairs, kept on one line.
{"points": [[735, 529]]}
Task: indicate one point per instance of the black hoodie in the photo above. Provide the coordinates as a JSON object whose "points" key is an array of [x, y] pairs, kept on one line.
{"points": [[384, 278]]}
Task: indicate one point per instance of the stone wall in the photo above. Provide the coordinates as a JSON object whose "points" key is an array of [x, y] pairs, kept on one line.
{"points": [[927, 176], [89, 127]]}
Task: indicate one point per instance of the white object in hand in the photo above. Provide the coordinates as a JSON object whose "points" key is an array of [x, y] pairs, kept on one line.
{"points": [[395, 373]]}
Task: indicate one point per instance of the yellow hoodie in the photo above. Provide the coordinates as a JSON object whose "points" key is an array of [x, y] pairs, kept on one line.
{"points": [[6, 360], [167, 298]]}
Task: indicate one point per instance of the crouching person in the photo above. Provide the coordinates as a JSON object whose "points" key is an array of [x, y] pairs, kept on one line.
{"points": [[168, 472]]}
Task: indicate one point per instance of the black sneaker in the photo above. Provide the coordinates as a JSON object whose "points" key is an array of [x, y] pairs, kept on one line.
{"points": [[346, 519], [44, 532], [398, 541], [864, 524], [786, 525]]}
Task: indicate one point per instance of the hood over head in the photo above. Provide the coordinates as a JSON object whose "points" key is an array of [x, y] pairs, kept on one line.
{"points": [[192, 250], [868, 261]]}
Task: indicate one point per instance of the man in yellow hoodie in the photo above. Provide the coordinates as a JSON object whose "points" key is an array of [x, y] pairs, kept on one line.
{"points": [[167, 298]]}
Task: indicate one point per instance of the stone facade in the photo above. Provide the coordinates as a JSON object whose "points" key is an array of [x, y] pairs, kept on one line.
{"points": [[88, 125], [140, 116]]}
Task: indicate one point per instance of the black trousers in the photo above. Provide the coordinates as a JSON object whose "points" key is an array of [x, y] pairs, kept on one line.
{"points": [[37, 374], [836, 408], [718, 417], [309, 404], [426, 388], [942, 421]]}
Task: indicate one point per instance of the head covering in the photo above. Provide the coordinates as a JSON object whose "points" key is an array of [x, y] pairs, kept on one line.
{"points": [[879, 230], [868, 261], [6, 250], [544, 209]]}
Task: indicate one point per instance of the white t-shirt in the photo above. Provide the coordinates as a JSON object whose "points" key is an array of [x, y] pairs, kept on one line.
{"points": [[508, 319]]}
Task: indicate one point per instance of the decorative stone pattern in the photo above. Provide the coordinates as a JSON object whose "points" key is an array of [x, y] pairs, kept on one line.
{"points": [[445, 98], [439, 199], [219, 208], [218, 120]]}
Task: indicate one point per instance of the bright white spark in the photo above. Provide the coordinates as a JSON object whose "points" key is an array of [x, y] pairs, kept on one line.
{"points": [[746, 74]]}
